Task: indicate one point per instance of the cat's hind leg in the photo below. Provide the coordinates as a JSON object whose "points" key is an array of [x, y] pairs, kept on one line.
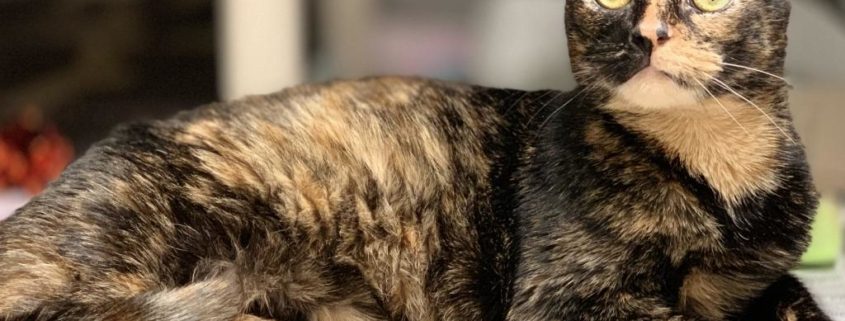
{"points": [[217, 299], [29, 280], [37, 286]]}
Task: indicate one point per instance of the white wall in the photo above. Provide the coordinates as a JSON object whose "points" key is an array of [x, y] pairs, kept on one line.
{"points": [[260, 46]]}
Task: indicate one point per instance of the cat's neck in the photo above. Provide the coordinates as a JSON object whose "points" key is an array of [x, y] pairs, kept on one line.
{"points": [[728, 142]]}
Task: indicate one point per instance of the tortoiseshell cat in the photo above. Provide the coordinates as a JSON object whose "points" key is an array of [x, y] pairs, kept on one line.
{"points": [[668, 186]]}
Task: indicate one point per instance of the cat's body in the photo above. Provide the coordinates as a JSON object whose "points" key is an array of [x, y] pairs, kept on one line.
{"points": [[408, 199], [383, 207]]}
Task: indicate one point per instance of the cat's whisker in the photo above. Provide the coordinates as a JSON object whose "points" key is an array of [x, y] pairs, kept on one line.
{"points": [[758, 71], [561, 108], [723, 106], [522, 98], [541, 109], [517, 101], [771, 120]]}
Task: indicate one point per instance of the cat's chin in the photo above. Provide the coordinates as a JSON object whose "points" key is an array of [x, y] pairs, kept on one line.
{"points": [[652, 89]]}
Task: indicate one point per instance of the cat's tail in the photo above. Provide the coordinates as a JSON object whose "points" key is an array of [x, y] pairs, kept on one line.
{"points": [[219, 298]]}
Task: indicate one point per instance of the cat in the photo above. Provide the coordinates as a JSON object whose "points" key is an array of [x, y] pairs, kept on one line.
{"points": [[670, 185]]}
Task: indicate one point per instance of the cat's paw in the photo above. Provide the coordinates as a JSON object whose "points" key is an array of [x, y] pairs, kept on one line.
{"points": [[802, 312]]}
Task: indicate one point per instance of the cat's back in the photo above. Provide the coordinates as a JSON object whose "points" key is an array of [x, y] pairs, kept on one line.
{"points": [[406, 138], [402, 142], [374, 171], [378, 123]]}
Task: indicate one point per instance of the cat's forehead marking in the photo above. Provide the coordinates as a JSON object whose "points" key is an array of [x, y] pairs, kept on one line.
{"points": [[652, 15]]}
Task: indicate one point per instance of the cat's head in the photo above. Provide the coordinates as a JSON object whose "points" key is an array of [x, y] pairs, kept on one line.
{"points": [[661, 53]]}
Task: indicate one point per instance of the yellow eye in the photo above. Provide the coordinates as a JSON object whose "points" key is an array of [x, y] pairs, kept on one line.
{"points": [[711, 5], [614, 4]]}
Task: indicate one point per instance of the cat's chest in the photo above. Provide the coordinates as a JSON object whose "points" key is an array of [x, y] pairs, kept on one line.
{"points": [[670, 220], [677, 176], [731, 146]]}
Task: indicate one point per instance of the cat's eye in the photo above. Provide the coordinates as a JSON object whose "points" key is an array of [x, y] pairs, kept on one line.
{"points": [[613, 4], [711, 5]]}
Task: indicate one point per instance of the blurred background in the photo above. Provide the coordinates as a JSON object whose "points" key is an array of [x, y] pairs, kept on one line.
{"points": [[70, 70]]}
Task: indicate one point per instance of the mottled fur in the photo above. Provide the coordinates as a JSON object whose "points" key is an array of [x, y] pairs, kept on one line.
{"points": [[417, 200]]}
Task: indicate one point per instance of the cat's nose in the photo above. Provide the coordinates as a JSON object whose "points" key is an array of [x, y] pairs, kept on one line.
{"points": [[653, 27], [657, 32]]}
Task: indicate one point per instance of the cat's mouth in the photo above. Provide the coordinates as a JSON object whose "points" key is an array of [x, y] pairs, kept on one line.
{"points": [[651, 86], [650, 70], [656, 73], [651, 76], [663, 65], [649, 66]]}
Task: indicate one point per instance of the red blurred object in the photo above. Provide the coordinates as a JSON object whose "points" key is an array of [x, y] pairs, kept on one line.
{"points": [[31, 153]]}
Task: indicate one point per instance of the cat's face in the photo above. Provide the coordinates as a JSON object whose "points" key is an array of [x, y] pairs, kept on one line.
{"points": [[661, 53]]}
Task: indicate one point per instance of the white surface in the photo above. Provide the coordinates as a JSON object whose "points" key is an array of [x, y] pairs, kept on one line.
{"points": [[261, 46], [829, 289], [11, 201]]}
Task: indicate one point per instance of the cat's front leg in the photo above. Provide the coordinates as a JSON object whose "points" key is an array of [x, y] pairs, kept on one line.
{"points": [[785, 300], [599, 305], [762, 293]]}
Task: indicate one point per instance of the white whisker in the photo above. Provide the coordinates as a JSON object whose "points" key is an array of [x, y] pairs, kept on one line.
{"points": [[561, 107], [757, 70], [517, 101], [540, 110], [724, 85], [723, 107]]}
